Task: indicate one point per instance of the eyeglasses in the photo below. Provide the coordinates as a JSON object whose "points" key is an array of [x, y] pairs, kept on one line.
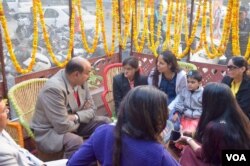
{"points": [[232, 67]]}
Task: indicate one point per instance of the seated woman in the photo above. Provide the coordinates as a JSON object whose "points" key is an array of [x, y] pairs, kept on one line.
{"points": [[135, 140], [168, 77], [125, 81], [223, 125], [239, 82]]}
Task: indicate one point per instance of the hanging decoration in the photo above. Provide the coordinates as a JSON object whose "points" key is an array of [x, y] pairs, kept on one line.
{"points": [[84, 38], [139, 43], [102, 22], [126, 13], [46, 36], [189, 40], [13, 58]]}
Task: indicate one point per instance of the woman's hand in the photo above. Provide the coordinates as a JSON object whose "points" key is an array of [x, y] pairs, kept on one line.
{"points": [[188, 141], [183, 139], [175, 117]]}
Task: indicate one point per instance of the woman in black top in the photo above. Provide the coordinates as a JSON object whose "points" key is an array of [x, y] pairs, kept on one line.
{"points": [[125, 81], [239, 82]]}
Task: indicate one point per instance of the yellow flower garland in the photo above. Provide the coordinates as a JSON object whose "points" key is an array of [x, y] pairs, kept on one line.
{"points": [[46, 36], [225, 36], [166, 44], [178, 25], [189, 40], [17, 66], [226, 32], [84, 39], [123, 35], [203, 31], [109, 53], [136, 22], [248, 50], [201, 39], [226, 29], [235, 29], [155, 44]]}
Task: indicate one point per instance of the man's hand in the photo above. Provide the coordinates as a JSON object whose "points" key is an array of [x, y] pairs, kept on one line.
{"points": [[87, 104], [71, 117]]}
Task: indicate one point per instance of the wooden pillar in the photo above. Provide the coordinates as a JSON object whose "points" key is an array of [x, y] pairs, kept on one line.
{"points": [[120, 20], [5, 89]]}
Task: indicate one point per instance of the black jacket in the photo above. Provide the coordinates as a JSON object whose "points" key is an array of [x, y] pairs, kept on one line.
{"points": [[121, 87], [243, 94]]}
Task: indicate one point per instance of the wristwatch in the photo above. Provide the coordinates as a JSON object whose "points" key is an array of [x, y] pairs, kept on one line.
{"points": [[77, 120]]}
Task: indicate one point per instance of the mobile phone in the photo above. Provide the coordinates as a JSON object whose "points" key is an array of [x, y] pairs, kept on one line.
{"points": [[175, 135]]}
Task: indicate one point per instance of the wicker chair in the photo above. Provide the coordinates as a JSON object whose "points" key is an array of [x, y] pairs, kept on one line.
{"points": [[15, 130], [187, 66], [107, 96], [23, 98]]}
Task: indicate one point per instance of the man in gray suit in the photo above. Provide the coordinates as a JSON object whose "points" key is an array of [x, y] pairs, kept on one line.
{"points": [[65, 111]]}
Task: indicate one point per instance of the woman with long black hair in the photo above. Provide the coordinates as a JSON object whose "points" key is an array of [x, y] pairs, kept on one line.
{"points": [[223, 125], [128, 79], [135, 140]]}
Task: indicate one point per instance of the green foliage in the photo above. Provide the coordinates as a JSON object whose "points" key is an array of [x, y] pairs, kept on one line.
{"points": [[94, 80]]}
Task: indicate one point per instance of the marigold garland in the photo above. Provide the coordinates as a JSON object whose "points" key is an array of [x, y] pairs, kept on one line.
{"points": [[166, 44], [211, 28], [203, 31], [189, 40], [235, 29], [109, 53], [225, 36], [84, 38], [248, 50], [16, 64], [155, 44], [232, 18], [178, 25], [139, 43], [46, 36], [226, 31], [214, 52], [200, 45], [124, 34]]}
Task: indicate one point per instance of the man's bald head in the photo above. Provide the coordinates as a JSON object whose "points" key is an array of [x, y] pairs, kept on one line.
{"points": [[77, 64]]}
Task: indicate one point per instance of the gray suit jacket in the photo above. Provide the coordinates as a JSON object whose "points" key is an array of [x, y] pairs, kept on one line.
{"points": [[12, 154], [55, 102]]}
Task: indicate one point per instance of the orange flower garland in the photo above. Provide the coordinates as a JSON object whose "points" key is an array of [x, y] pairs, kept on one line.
{"points": [[235, 29], [16, 64], [166, 44], [46, 36], [139, 47], [84, 39], [109, 53]]}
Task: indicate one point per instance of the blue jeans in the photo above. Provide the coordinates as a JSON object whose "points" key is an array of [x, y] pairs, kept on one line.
{"points": [[176, 123]]}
